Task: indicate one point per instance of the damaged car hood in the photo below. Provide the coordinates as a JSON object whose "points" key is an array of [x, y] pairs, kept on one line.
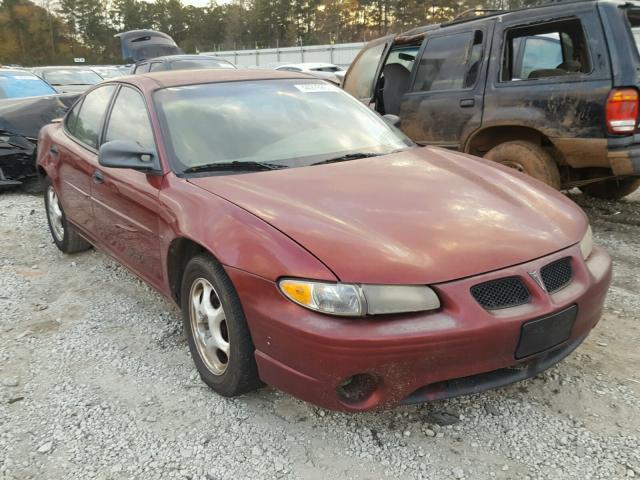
{"points": [[26, 116], [421, 216], [138, 45]]}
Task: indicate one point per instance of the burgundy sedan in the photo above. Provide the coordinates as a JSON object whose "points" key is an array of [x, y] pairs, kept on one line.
{"points": [[311, 246]]}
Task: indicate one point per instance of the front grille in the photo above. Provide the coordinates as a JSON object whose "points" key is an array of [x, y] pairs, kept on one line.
{"points": [[557, 275], [501, 293]]}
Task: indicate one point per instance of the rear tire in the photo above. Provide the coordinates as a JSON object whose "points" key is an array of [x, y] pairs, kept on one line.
{"points": [[65, 236], [613, 189], [216, 328], [529, 158]]}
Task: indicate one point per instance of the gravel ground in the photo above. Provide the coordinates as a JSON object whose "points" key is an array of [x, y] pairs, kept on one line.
{"points": [[96, 382]]}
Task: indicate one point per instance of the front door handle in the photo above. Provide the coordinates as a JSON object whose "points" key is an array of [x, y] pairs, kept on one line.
{"points": [[97, 177], [467, 102]]}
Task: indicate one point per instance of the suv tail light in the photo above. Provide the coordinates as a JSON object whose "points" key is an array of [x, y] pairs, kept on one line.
{"points": [[622, 111]]}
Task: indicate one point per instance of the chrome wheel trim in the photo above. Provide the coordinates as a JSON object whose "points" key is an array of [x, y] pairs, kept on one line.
{"points": [[209, 326], [54, 212]]}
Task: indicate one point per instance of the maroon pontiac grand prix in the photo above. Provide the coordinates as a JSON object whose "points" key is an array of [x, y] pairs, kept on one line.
{"points": [[311, 246]]}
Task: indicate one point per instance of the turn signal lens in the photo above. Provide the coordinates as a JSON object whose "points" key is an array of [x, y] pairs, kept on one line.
{"points": [[332, 298], [622, 111]]}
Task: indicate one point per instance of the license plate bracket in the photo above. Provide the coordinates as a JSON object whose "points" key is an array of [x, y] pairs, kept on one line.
{"points": [[544, 333]]}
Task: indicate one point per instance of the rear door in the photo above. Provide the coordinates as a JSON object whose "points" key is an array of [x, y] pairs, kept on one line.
{"points": [[125, 201], [445, 99], [362, 76]]}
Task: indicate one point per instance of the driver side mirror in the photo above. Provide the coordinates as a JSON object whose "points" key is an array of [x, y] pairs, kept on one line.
{"points": [[127, 154]]}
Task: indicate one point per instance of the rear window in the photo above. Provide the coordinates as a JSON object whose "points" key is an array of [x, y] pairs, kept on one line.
{"points": [[633, 15], [20, 84], [192, 64]]}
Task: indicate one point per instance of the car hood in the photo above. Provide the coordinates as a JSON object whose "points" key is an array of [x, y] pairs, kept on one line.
{"points": [[421, 216]]}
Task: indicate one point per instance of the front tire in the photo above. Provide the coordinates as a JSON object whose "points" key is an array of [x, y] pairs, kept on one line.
{"points": [[613, 189], [529, 158], [65, 236], [216, 328]]}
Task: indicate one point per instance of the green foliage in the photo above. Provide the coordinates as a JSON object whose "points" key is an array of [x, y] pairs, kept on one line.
{"points": [[33, 34]]}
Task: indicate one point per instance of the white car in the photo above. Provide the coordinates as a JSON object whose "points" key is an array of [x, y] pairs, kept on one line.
{"points": [[327, 71]]}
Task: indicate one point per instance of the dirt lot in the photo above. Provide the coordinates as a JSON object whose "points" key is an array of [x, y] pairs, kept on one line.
{"points": [[96, 382]]}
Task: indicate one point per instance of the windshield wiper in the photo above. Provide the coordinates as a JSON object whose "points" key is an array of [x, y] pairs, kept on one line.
{"points": [[234, 166], [348, 156]]}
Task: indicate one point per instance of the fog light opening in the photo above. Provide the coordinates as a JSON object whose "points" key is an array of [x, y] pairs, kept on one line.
{"points": [[357, 388]]}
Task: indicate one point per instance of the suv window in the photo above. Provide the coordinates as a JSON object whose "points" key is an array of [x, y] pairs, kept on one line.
{"points": [[89, 121], [544, 51], [129, 120], [359, 82], [633, 15], [450, 62]]}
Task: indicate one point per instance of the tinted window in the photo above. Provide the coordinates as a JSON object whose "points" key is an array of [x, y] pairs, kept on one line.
{"points": [[633, 15], [129, 120], [91, 115], [156, 66], [359, 81], [18, 84], [544, 51], [72, 116], [443, 65]]}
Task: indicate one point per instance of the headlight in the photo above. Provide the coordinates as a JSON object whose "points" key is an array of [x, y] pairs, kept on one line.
{"points": [[358, 300], [586, 244]]}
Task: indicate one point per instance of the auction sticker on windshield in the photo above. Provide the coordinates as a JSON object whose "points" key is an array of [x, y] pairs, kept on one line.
{"points": [[316, 87]]}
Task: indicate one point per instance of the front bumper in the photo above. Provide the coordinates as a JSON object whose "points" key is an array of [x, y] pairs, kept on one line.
{"points": [[462, 348]]}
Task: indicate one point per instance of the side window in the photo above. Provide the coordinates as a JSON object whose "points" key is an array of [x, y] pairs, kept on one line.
{"points": [[142, 68], [72, 117], [156, 66], [90, 117], [544, 51], [129, 120], [359, 81], [444, 63]]}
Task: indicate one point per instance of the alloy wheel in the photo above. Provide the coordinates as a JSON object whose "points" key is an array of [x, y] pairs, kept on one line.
{"points": [[209, 326], [54, 212]]}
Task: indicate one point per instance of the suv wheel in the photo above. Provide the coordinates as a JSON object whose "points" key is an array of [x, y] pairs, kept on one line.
{"points": [[217, 332], [529, 158], [613, 189]]}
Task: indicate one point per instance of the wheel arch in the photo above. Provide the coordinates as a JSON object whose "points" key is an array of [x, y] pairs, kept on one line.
{"points": [[180, 251], [481, 141]]}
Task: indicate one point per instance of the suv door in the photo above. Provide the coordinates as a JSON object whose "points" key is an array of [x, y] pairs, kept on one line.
{"points": [[363, 73], [125, 201], [76, 147], [445, 98]]}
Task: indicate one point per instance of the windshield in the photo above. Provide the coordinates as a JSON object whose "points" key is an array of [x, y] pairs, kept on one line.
{"points": [[199, 63], [71, 77], [109, 72], [20, 84], [290, 123]]}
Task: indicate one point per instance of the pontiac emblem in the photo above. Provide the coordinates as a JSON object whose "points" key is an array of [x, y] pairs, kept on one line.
{"points": [[536, 278]]}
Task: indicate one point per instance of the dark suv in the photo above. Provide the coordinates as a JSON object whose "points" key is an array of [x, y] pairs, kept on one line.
{"points": [[551, 91]]}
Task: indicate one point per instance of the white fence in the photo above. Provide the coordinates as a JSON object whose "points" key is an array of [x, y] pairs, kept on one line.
{"points": [[341, 54]]}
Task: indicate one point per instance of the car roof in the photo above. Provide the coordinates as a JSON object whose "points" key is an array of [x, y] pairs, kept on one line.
{"points": [[17, 70], [63, 67], [182, 57], [177, 78]]}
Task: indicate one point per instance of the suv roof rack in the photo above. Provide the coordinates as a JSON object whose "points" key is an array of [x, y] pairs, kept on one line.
{"points": [[475, 13]]}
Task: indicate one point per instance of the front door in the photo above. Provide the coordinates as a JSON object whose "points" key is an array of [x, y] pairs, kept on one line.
{"points": [[362, 76], [445, 99], [76, 148], [125, 201]]}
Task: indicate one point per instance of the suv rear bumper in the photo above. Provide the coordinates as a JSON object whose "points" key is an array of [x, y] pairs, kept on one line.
{"points": [[625, 161]]}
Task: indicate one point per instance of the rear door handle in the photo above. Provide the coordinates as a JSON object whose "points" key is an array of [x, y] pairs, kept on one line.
{"points": [[97, 177], [467, 102], [54, 150]]}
